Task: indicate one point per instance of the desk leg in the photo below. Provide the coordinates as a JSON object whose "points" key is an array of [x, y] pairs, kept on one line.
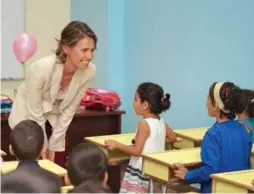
{"points": [[163, 188], [114, 174], [151, 186]]}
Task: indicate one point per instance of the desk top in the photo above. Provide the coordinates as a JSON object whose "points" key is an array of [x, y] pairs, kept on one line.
{"points": [[121, 138], [66, 189], [46, 164], [239, 178], [187, 157], [125, 138], [194, 134], [190, 156]]}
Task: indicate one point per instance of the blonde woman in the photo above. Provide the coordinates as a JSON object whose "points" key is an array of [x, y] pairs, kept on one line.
{"points": [[55, 85]]}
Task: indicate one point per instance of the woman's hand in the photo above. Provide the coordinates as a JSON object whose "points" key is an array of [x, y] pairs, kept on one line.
{"points": [[44, 153], [51, 155], [111, 144], [180, 171]]}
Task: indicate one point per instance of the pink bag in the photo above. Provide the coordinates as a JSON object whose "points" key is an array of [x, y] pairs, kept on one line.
{"points": [[100, 99]]}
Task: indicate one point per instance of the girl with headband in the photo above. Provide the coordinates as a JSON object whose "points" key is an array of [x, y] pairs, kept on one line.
{"points": [[227, 145]]}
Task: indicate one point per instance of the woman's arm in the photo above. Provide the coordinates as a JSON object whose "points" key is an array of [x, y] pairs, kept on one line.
{"points": [[170, 135], [34, 84], [142, 134]]}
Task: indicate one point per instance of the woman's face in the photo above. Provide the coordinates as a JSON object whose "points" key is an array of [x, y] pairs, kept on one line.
{"points": [[82, 53]]}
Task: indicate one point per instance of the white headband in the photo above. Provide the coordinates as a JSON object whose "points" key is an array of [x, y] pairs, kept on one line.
{"points": [[217, 98]]}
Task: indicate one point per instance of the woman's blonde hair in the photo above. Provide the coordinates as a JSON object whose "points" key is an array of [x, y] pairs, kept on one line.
{"points": [[70, 35]]}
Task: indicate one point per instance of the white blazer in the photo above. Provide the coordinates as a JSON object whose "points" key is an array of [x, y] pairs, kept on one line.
{"points": [[37, 94]]}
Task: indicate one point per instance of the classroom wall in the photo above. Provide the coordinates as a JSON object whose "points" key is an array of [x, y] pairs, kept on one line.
{"points": [[186, 46], [106, 18], [183, 45]]}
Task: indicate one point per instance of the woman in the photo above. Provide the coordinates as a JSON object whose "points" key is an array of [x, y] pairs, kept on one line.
{"points": [[55, 85]]}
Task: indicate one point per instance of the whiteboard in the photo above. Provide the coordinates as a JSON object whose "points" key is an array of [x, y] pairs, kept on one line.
{"points": [[13, 23]]}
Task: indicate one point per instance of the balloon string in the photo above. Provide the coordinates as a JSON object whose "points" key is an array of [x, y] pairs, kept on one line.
{"points": [[24, 70]]}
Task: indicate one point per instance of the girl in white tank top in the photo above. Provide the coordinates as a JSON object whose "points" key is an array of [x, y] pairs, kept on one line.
{"points": [[150, 101]]}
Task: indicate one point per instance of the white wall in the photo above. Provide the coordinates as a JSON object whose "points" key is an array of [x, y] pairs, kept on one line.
{"points": [[13, 23], [45, 20]]}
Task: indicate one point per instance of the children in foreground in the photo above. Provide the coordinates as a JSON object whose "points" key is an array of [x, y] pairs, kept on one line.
{"points": [[86, 162], [28, 179], [91, 186], [227, 145], [149, 102], [27, 143]]}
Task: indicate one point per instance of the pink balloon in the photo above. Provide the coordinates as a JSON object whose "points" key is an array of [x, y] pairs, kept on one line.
{"points": [[24, 46]]}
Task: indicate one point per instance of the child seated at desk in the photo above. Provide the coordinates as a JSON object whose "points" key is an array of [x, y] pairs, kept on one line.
{"points": [[245, 112], [27, 143], [86, 162], [30, 180], [149, 102], [227, 145], [92, 186]]}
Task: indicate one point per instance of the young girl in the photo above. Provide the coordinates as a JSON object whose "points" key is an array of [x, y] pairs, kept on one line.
{"points": [[150, 101], [245, 112], [227, 144]]}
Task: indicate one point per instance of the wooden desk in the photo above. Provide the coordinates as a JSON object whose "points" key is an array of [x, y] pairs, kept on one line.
{"points": [[114, 156], [66, 189], [117, 156], [159, 166], [84, 124], [233, 182], [46, 164], [191, 137]]}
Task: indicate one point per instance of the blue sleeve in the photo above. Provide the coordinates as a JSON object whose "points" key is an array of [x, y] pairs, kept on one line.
{"points": [[210, 155]]}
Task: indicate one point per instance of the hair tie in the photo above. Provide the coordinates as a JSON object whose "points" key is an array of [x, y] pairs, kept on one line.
{"points": [[163, 99]]}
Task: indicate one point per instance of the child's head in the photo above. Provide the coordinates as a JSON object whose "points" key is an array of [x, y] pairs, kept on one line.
{"points": [[246, 105], [150, 98], [27, 179], [92, 187], [223, 100], [87, 162], [27, 140]]}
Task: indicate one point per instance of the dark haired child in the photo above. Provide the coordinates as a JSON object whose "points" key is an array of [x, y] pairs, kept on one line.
{"points": [[27, 179], [245, 112], [227, 145], [86, 162], [91, 186], [149, 102], [27, 143]]}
